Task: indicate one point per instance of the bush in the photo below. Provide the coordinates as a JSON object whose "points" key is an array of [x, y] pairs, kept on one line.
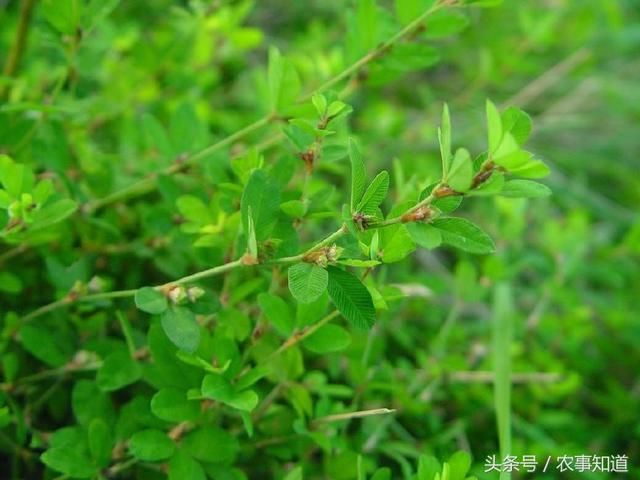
{"points": [[208, 272]]}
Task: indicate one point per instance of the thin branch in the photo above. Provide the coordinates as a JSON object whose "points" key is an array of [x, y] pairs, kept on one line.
{"points": [[488, 377], [360, 414], [299, 336], [551, 76]]}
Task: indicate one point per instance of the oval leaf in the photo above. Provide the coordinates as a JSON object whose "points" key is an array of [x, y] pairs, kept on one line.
{"points": [[463, 234], [307, 282], [180, 326], [351, 298], [328, 338], [151, 300]]}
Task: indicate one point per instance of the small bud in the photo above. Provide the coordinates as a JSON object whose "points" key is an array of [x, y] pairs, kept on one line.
{"points": [[194, 293], [445, 191], [418, 215], [361, 220], [308, 158], [177, 294], [248, 260], [333, 253], [96, 284], [319, 257]]}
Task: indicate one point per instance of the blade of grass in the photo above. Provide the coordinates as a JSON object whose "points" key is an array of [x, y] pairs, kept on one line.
{"points": [[502, 336]]}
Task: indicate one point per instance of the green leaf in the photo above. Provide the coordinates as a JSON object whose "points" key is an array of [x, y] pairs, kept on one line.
{"points": [[446, 204], [15, 177], [63, 15], [320, 102], [463, 234], [375, 194], [117, 371], [40, 342], [156, 137], [307, 282], [518, 123], [217, 387], [428, 467], [211, 444], [69, 460], [180, 326], [425, 235], [328, 338], [351, 298], [252, 243], [358, 174], [194, 209], [245, 401], [89, 402], [461, 172], [524, 189], [277, 312], [367, 22], [459, 464], [295, 474], [262, 195], [100, 442], [409, 10], [502, 340], [383, 473], [151, 300], [405, 57], [397, 244], [186, 130], [444, 137], [53, 213], [171, 405], [532, 169], [294, 208], [96, 11], [445, 22], [183, 467], [284, 84], [151, 445], [494, 127], [491, 186], [355, 262]]}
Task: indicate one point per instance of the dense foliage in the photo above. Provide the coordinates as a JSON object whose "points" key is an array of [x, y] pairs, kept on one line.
{"points": [[247, 240]]}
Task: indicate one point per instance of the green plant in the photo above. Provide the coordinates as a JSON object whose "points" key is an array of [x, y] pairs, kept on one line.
{"points": [[243, 256]]}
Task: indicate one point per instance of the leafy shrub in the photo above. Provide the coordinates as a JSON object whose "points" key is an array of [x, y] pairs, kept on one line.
{"points": [[222, 249]]}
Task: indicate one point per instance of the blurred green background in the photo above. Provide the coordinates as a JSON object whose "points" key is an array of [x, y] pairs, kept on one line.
{"points": [[74, 105]]}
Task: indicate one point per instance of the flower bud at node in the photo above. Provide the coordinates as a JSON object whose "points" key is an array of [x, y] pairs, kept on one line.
{"points": [[194, 293], [177, 294], [418, 215], [361, 220]]}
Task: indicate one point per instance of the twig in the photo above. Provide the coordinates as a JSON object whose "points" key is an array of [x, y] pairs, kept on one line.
{"points": [[488, 377], [551, 76], [360, 414], [17, 49]]}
